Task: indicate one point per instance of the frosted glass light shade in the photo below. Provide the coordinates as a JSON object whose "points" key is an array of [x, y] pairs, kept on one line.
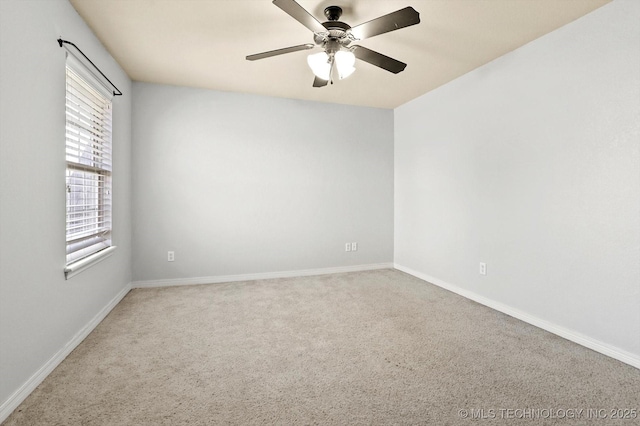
{"points": [[345, 61], [320, 65]]}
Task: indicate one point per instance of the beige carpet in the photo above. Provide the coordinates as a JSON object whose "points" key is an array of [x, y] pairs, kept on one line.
{"points": [[378, 347]]}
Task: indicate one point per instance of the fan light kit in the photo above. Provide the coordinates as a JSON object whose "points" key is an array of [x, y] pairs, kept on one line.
{"points": [[335, 37]]}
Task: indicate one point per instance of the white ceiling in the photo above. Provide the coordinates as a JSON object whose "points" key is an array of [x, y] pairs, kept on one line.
{"points": [[203, 43]]}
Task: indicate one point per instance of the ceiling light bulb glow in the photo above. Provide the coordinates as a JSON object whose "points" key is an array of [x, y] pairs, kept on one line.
{"points": [[345, 61], [320, 65]]}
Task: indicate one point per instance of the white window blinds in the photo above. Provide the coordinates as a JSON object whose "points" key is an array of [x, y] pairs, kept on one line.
{"points": [[88, 155]]}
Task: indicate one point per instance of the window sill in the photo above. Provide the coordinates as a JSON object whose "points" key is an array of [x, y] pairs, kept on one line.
{"points": [[79, 266]]}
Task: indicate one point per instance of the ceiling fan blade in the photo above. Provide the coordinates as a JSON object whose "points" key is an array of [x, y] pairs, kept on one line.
{"points": [[280, 51], [298, 13], [379, 60], [393, 21], [318, 82]]}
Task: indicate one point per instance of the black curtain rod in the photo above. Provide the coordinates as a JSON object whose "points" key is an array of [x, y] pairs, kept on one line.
{"points": [[118, 93]]}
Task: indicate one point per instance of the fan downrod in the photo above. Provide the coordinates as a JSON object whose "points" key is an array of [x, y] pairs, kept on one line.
{"points": [[333, 13]]}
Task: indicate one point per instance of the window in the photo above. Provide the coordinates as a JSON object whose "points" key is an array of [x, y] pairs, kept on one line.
{"points": [[88, 156]]}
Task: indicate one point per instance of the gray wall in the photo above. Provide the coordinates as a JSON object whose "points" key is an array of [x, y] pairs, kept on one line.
{"points": [[40, 312], [532, 165], [241, 184]]}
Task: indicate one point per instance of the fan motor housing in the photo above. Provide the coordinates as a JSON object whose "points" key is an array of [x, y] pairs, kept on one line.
{"points": [[336, 30]]}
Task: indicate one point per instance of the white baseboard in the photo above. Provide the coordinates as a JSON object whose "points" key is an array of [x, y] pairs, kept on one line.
{"points": [[596, 345], [259, 276], [29, 386]]}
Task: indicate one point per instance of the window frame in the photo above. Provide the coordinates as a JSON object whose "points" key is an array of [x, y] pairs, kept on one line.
{"points": [[88, 171]]}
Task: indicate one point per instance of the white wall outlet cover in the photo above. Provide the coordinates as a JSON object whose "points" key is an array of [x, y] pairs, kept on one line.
{"points": [[347, 247], [483, 268]]}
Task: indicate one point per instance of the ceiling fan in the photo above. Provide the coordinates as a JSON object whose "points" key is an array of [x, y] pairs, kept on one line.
{"points": [[335, 38]]}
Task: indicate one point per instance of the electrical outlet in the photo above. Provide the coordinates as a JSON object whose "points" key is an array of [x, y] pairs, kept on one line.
{"points": [[354, 246], [347, 247], [483, 268], [171, 256]]}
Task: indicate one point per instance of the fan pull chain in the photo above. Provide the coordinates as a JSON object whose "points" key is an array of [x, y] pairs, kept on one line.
{"points": [[333, 62]]}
